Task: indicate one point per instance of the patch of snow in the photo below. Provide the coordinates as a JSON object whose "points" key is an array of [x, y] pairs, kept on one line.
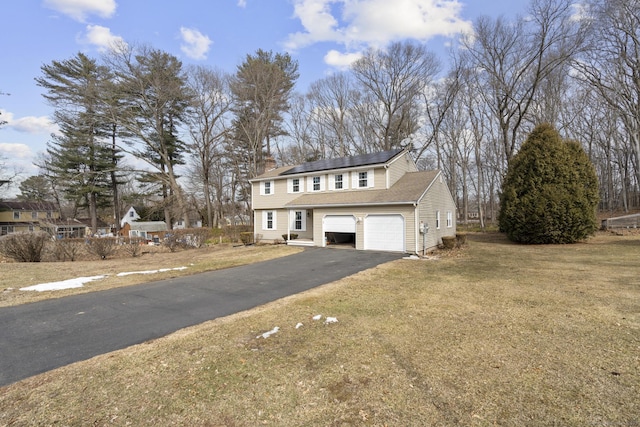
{"points": [[317, 317], [64, 284], [161, 270], [330, 320], [269, 333], [299, 325]]}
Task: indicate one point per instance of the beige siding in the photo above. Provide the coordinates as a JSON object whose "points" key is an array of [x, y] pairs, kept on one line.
{"points": [[399, 167], [407, 211], [282, 225], [279, 198], [437, 198]]}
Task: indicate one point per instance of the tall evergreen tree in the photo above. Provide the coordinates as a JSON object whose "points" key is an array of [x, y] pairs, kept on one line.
{"points": [[261, 89], [156, 95], [550, 192], [79, 157]]}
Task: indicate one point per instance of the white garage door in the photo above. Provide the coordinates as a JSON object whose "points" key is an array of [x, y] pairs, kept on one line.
{"points": [[339, 224], [384, 233]]}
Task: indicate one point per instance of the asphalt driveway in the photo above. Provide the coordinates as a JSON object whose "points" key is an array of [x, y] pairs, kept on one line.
{"points": [[38, 337]]}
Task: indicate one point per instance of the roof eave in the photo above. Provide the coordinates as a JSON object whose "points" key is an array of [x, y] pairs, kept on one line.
{"points": [[345, 205]]}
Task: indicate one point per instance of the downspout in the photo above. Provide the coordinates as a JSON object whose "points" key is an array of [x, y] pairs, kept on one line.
{"points": [[288, 226], [386, 176], [416, 220]]}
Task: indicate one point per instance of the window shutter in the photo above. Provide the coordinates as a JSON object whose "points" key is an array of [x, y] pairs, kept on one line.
{"points": [[370, 178], [332, 182], [290, 185], [354, 179]]}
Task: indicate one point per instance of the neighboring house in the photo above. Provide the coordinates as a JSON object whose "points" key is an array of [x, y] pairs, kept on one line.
{"points": [[376, 201], [193, 223], [76, 228], [130, 216], [148, 230], [25, 216]]}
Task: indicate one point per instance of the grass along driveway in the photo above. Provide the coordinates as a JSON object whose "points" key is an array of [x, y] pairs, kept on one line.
{"points": [[501, 334], [14, 276]]}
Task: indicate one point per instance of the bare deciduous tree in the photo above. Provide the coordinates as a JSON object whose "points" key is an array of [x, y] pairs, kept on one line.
{"points": [[208, 130], [611, 66], [396, 78], [513, 59]]}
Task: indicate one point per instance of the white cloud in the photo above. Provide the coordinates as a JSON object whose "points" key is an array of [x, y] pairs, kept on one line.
{"points": [[15, 151], [81, 9], [242, 3], [341, 60], [195, 44], [357, 24], [102, 38], [29, 124]]}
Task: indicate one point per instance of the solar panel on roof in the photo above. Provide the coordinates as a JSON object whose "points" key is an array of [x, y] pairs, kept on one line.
{"points": [[344, 162]]}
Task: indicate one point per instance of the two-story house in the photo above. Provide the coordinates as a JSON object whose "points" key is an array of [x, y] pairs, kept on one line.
{"points": [[25, 216], [376, 201]]}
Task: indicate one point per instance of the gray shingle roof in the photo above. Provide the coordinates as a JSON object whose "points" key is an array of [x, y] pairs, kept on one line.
{"points": [[408, 189], [148, 226]]}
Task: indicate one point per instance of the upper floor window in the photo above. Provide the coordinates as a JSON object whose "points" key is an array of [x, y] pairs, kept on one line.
{"points": [[362, 179], [449, 219], [437, 220], [316, 183], [267, 188], [49, 214], [337, 180], [130, 214], [296, 185], [34, 215], [16, 214]]}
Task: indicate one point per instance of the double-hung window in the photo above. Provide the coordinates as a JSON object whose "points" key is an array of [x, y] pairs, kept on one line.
{"points": [[269, 220], [437, 220], [449, 219], [16, 214], [316, 183], [362, 180], [337, 182], [298, 220], [267, 188], [296, 185]]}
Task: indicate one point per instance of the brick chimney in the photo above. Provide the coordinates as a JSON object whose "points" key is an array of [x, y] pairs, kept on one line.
{"points": [[269, 163]]}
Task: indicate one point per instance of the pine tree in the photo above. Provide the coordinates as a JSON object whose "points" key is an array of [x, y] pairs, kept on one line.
{"points": [[80, 158], [550, 192]]}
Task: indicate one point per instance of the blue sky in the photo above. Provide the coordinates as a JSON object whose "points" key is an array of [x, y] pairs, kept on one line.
{"points": [[322, 35]]}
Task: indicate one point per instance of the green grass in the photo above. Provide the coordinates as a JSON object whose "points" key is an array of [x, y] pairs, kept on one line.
{"points": [[496, 334]]}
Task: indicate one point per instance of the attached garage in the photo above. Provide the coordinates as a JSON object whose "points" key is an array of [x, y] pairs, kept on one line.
{"points": [[339, 224], [384, 232], [339, 229]]}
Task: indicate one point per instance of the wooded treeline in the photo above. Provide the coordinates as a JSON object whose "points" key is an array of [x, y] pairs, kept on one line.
{"points": [[202, 133]]}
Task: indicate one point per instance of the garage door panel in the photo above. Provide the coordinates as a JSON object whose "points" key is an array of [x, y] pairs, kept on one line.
{"points": [[384, 232], [339, 224]]}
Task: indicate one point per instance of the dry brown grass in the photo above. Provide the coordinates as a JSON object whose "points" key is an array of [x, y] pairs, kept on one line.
{"points": [[499, 335], [15, 275]]}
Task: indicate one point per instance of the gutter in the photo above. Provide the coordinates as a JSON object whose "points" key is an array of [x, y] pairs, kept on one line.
{"points": [[346, 205]]}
